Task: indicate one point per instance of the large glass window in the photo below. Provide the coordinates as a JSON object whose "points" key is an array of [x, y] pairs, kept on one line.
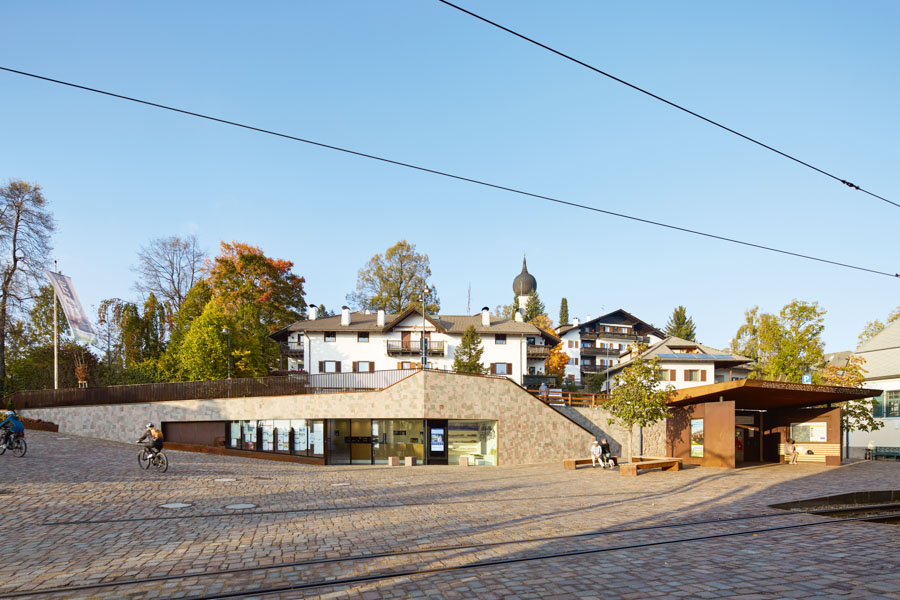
{"points": [[361, 441], [892, 403], [301, 437], [282, 436], [234, 434], [398, 437], [878, 407], [475, 439]]}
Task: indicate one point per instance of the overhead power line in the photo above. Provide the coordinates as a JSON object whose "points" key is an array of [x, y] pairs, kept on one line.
{"points": [[669, 102], [450, 175]]}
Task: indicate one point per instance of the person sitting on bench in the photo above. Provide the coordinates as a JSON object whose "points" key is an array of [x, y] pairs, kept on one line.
{"points": [[606, 455]]}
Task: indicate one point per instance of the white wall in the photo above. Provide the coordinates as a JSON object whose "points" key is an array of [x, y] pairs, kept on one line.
{"points": [[347, 349], [680, 367], [888, 435]]}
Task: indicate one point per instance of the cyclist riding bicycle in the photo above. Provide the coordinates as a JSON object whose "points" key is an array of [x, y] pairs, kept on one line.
{"points": [[152, 439], [11, 426]]}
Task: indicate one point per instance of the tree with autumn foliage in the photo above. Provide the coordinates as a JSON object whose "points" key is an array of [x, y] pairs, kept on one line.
{"points": [[252, 295], [557, 361]]}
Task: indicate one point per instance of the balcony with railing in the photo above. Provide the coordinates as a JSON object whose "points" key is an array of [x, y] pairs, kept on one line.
{"points": [[595, 368], [592, 351], [291, 349], [413, 348], [608, 335], [538, 352]]}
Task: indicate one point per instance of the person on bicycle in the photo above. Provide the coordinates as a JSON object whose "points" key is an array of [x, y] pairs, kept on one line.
{"points": [[152, 439], [11, 426]]}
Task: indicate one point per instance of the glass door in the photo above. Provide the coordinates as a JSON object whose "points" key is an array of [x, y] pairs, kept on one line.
{"points": [[339, 442]]}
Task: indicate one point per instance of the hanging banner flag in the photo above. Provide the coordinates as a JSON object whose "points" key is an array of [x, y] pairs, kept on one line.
{"points": [[78, 319]]}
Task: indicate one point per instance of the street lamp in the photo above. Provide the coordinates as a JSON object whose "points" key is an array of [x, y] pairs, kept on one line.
{"points": [[424, 342], [227, 332]]}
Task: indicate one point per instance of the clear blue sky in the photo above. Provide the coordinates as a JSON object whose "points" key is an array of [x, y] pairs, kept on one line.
{"points": [[420, 82]]}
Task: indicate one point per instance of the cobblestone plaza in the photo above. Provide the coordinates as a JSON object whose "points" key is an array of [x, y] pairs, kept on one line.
{"points": [[78, 513]]}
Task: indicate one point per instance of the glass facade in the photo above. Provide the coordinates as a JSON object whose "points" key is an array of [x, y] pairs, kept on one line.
{"points": [[475, 439], [365, 441], [398, 437], [300, 437]]}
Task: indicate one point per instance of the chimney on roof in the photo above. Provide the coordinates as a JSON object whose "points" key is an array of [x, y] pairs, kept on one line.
{"points": [[575, 322], [587, 318], [379, 318], [519, 316], [368, 312], [313, 312], [345, 316], [486, 316]]}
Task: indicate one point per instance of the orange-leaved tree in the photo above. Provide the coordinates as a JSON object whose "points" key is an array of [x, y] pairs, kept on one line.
{"points": [[556, 364]]}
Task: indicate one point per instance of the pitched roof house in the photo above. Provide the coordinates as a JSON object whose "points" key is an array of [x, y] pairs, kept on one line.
{"points": [[360, 341]]}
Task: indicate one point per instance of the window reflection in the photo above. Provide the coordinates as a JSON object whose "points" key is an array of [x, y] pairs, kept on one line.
{"points": [[476, 440]]}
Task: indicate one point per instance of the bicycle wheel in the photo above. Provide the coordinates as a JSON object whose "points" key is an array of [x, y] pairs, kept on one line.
{"points": [[162, 463], [2, 447], [19, 448], [144, 458]]}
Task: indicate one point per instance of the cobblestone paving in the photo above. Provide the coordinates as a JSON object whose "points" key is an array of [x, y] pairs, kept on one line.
{"points": [[78, 512]]}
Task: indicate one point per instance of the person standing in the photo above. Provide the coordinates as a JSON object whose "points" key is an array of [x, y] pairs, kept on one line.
{"points": [[544, 391]]}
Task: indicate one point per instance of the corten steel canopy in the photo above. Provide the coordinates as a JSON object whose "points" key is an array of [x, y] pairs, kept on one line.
{"points": [[756, 394]]}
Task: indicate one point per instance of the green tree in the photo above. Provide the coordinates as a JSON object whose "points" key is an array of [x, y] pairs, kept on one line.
{"points": [[195, 301], [25, 228], [594, 383], [783, 346], [681, 325], [798, 344], [467, 358], [203, 354], [394, 281], [564, 312], [875, 327], [638, 398], [533, 307]]}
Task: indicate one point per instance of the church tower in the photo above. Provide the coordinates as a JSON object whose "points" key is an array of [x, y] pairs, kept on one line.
{"points": [[523, 285]]}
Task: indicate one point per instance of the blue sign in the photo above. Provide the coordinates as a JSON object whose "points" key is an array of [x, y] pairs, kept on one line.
{"points": [[807, 378]]}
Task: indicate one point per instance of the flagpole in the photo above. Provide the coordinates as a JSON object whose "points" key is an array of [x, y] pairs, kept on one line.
{"points": [[55, 339]]}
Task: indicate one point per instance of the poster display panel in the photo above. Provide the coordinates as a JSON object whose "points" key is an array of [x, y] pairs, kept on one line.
{"points": [[809, 432], [697, 438]]}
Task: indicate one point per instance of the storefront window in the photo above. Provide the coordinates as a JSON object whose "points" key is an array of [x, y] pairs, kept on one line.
{"points": [[301, 436], [398, 437], [317, 438], [234, 434], [476, 440], [283, 436], [268, 436], [249, 430]]}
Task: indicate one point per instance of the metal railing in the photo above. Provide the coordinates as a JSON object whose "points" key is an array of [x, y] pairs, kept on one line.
{"points": [[411, 347], [571, 398], [592, 351], [294, 384]]}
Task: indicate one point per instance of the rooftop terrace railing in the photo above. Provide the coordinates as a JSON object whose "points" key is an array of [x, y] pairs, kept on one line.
{"points": [[570, 398], [289, 385]]}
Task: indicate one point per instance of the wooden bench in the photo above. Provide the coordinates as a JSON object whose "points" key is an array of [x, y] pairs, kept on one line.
{"points": [[574, 463], [650, 462], [820, 451], [888, 451]]}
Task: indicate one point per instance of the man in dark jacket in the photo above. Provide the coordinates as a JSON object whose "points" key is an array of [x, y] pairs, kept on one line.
{"points": [[152, 439]]}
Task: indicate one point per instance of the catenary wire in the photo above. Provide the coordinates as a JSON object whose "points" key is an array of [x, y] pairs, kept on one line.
{"points": [[451, 175], [669, 102]]}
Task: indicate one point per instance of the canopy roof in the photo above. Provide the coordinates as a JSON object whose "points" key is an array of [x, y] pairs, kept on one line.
{"points": [[763, 395]]}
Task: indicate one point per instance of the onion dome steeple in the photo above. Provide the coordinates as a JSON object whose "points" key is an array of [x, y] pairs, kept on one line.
{"points": [[524, 283]]}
